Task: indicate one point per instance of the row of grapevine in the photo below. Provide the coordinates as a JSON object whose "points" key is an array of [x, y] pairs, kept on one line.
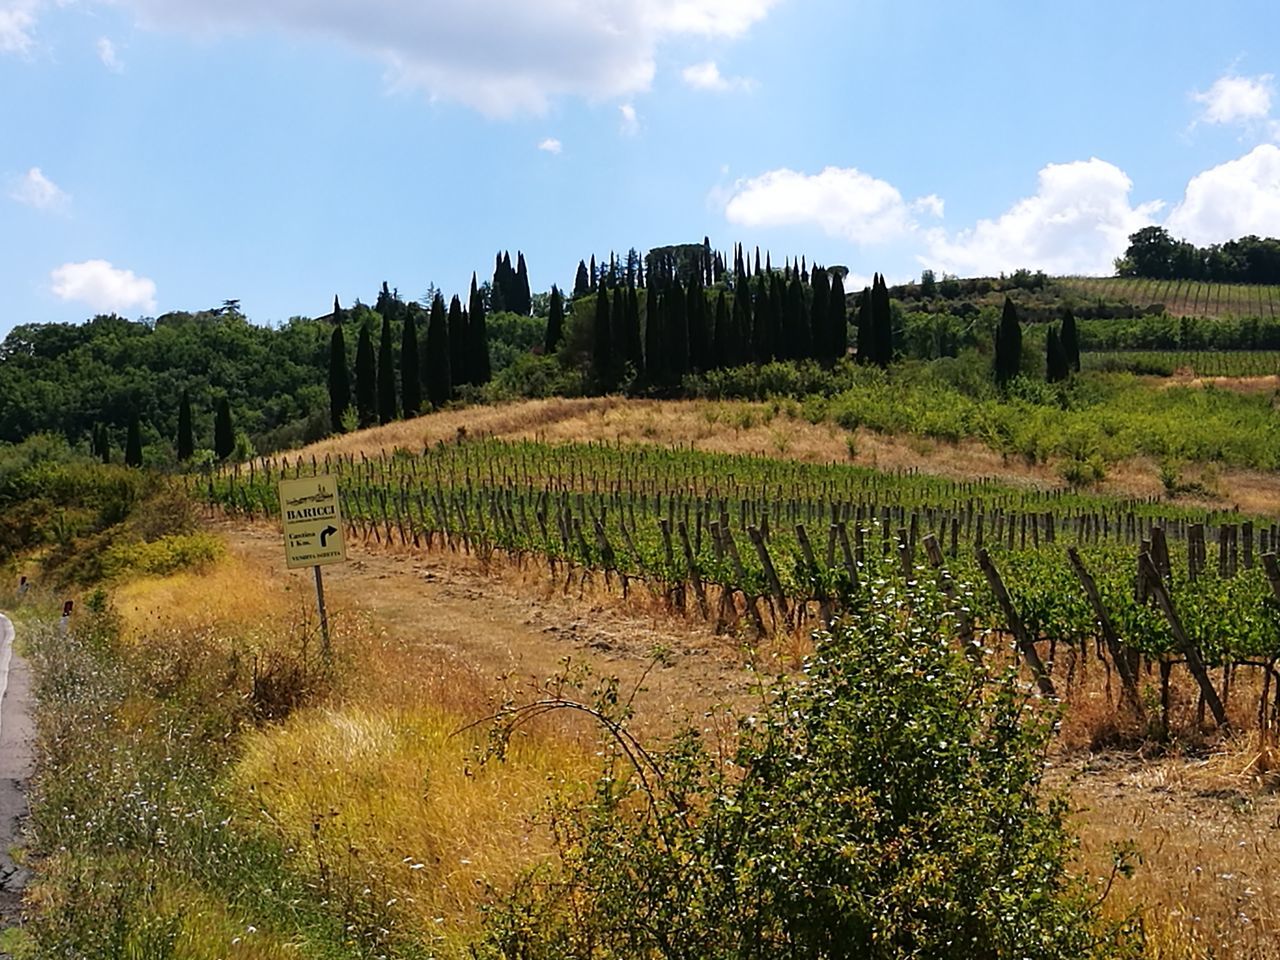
{"points": [[758, 543]]}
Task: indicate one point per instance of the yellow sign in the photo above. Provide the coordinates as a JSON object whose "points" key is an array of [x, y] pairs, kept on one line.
{"points": [[312, 522]]}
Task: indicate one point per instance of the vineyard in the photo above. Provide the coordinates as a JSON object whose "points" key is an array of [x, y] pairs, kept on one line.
{"points": [[1200, 363], [760, 545], [1189, 298]]}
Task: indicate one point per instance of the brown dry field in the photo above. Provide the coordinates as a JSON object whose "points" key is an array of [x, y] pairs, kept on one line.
{"points": [[711, 425], [1205, 824]]}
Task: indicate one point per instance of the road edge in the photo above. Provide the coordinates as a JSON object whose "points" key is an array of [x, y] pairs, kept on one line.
{"points": [[16, 758]]}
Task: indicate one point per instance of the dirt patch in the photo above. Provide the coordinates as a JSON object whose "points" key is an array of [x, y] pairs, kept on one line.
{"points": [[508, 627]]}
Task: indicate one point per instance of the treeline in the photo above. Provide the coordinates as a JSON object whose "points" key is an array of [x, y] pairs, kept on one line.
{"points": [[1153, 253]]}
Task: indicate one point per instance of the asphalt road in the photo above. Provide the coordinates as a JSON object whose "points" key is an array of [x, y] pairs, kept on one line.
{"points": [[15, 768]]}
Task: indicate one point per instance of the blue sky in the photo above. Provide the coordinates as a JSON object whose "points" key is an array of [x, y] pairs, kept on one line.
{"points": [[169, 154]]}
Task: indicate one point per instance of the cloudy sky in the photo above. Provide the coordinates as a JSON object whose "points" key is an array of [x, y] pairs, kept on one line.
{"points": [[170, 154]]}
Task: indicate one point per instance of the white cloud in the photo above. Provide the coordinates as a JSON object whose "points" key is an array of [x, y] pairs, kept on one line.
{"points": [[107, 54], [630, 121], [17, 23], [1235, 199], [513, 57], [707, 76], [1078, 222], [1234, 99], [103, 287], [843, 202], [551, 145], [36, 190]]}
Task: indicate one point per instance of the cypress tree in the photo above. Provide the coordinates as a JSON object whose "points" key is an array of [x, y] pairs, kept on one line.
{"points": [[224, 434], [881, 323], [1008, 359], [592, 276], [339, 380], [186, 437], [721, 340], [654, 337], [676, 324], [498, 288], [602, 344], [837, 318], [820, 283], [410, 368], [386, 375], [439, 355], [366, 379], [458, 338], [1071, 342], [864, 322], [337, 311], [582, 282], [524, 296], [133, 443], [777, 308], [798, 335], [555, 323], [1056, 367], [102, 443], [699, 337], [618, 330], [478, 354], [742, 349], [632, 349]]}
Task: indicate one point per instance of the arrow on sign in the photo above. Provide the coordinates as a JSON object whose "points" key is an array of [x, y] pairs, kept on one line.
{"points": [[325, 534]]}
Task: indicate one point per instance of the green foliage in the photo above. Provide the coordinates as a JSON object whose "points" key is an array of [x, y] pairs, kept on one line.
{"points": [[886, 804], [133, 443], [440, 381], [410, 372], [555, 323]]}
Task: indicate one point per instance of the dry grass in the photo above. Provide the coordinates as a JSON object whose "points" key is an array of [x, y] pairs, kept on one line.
{"points": [[392, 796]]}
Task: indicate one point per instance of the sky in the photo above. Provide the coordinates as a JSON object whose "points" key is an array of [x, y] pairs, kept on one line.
{"points": [[160, 155]]}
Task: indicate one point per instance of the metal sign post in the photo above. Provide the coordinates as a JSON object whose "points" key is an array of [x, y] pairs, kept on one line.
{"points": [[313, 534]]}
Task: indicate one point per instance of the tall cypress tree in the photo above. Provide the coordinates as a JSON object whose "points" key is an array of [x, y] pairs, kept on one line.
{"points": [[1008, 359], [366, 378], [102, 443], [592, 276], [133, 443], [632, 349], [439, 354], [866, 352], [524, 296], [478, 352], [818, 315], [1056, 367], [337, 311], [459, 339], [410, 368], [742, 348], [339, 380], [186, 436], [654, 337], [1071, 342], [801, 344], [699, 335], [386, 375], [602, 344], [721, 339], [581, 282], [555, 323], [224, 433], [881, 323], [618, 330], [837, 317], [676, 324]]}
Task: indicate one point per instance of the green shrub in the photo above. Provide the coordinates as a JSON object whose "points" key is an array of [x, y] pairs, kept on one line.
{"points": [[159, 557], [887, 804]]}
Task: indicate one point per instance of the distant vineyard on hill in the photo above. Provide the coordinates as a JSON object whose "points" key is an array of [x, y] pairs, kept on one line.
{"points": [[1183, 298]]}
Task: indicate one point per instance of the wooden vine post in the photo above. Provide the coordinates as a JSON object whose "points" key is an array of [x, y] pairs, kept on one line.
{"points": [[1025, 644]]}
